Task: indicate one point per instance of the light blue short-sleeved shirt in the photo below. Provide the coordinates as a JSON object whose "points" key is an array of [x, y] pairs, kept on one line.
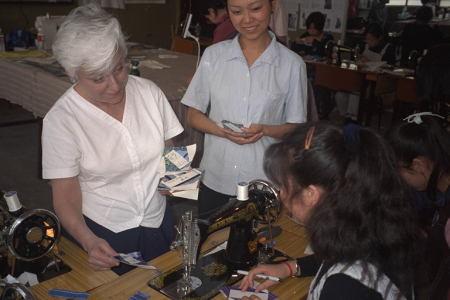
{"points": [[272, 92]]}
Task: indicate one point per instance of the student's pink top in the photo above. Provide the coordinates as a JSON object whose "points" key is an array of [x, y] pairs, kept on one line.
{"points": [[224, 30]]}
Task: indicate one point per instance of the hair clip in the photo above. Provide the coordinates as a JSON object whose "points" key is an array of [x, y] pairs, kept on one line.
{"points": [[73, 80], [309, 137], [416, 118]]}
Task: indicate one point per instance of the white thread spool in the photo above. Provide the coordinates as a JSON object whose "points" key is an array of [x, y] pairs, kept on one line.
{"points": [[13, 201], [242, 191]]}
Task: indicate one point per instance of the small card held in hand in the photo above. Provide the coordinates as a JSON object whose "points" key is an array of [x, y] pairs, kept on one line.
{"points": [[233, 126], [133, 259]]}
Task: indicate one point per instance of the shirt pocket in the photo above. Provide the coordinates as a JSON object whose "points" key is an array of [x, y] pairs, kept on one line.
{"points": [[270, 107]]}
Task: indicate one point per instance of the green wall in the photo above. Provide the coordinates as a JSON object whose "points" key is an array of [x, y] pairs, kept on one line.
{"points": [[137, 20]]}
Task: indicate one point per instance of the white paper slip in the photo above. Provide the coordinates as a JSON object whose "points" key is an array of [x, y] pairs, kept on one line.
{"points": [[184, 159], [168, 56], [176, 159], [187, 194], [309, 249], [178, 180], [133, 259], [153, 64], [236, 294]]}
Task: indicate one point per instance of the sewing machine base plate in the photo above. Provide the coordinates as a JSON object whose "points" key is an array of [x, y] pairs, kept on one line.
{"points": [[213, 270]]}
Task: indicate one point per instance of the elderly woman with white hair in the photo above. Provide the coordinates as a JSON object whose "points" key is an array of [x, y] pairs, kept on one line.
{"points": [[102, 142]]}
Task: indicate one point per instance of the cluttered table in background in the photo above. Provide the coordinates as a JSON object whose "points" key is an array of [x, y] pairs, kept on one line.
{"points": [[356, 81], [37, 83]]}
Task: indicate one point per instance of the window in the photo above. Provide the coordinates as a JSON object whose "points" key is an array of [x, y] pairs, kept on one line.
{"points": [[403, 3], [445, 3]]}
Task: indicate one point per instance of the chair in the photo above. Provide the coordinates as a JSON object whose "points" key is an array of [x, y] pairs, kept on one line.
{"points": [[437, 257], [441, 285], [312, 114]]}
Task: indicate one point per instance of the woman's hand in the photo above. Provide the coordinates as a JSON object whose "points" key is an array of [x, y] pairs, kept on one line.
{"points": [[363, 59], [278, 270], [299, 40], [252, 134], [309, 39], [98, 249]]}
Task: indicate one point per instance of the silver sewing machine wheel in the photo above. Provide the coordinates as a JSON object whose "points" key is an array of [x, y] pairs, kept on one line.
{"points": [[33, 234], [16, 291], [272, 196]]}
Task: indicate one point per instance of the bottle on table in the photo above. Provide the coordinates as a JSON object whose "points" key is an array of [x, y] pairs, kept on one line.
{"points": [[41, 40], [2, 42]]}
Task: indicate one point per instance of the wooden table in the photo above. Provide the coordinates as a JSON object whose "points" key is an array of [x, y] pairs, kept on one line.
{"points": [[291, 241], [342, 79], [405, 96], [107, 285], [82, 278]]}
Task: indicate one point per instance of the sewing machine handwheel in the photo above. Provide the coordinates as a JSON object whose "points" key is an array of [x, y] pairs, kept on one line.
{"points": [[272, 199], [14, 290], [33, 234]]}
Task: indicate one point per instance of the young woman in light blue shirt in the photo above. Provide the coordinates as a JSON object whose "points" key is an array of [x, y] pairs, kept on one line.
{"points": [[251, 78]]}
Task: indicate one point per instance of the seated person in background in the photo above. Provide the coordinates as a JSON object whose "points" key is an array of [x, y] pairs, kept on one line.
{"points": [[375, 49], [314, 40], [344, 185], [379, 13], [102, 142], [216, 13], [419, 35], [433, 78], [421, 146]]}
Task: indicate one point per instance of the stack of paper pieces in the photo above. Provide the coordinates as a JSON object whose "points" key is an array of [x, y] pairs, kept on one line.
{"points": [[178, 178]]}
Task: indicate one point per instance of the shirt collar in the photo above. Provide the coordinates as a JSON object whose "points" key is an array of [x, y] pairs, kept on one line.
{"points": [[270, 56]]}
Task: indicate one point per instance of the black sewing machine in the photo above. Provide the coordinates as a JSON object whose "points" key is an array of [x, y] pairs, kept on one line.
{"points": [[201, 275], [26, 236], [337, 54]]}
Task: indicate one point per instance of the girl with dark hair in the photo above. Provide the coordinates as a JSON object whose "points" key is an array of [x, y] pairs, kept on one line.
{"points": [[216, 12], [373, 49], [421, 148], [314, 40], [344, 185]]}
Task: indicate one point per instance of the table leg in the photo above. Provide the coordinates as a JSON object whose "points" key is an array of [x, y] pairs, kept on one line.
{"points": [[362, 101], [39, 162], [370, 101]]}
